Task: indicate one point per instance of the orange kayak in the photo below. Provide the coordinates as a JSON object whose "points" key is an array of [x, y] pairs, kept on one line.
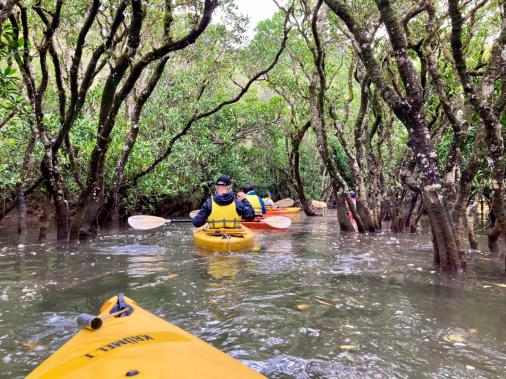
{"points": [[282, 211], [257, 223]]}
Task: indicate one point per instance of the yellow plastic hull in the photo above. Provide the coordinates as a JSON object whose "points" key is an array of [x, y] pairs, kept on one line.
{"points": [[142, 343], [224, 243]]}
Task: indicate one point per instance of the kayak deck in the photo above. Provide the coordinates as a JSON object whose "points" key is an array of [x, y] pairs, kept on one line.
{"points": [[222, 241], [139, 345], [259, 224], [278, 211]]}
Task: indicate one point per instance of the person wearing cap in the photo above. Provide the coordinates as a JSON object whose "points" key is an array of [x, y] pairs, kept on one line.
{"points": [[223, 210], [269, 204], [256, 201], [353, 196]]}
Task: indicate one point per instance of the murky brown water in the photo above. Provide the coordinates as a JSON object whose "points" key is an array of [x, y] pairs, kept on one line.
{"points": [[375, 307]]}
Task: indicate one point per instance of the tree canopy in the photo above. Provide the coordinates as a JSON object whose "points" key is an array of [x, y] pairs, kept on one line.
{"points": [[124, 103]]}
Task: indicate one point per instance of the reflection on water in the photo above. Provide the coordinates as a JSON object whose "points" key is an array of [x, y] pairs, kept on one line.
{"points": [[220, 266], [304, 303]]}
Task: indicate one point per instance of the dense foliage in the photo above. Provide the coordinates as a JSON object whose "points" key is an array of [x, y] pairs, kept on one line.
{"points": [[369, 96]]}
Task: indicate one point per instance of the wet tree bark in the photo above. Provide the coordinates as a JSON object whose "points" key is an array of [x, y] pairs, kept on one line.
{"points": [[414, 220], [55, 186], [375, 170], [342, 214], [113, 96], [409, 111], [317, 95], [295, 140], [459, 123], [362, 207], [493, 238], [104, 212], [21, 206], [295, 137], [6, 10], [395, 210], [44, 218], [20, 187], [408, 220], [336, 179], [50, 167], [109, 107], [482, 100], [8, 206], [120, 184], [471, 213], [464, 189]]}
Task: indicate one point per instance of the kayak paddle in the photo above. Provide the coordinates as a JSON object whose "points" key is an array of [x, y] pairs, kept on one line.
{"points": [[277, 222], [285, 203], [144, 222]]}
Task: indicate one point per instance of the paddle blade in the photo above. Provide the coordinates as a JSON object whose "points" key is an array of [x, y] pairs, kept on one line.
{"points": [[319, 204], [278, 222], [194, 213], [285, 203], [143, 222]]}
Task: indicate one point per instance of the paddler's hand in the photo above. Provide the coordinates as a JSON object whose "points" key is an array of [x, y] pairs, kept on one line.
{"points": [[241, 196]]}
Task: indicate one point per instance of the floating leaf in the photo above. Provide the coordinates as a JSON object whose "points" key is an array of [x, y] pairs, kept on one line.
{"points": [[212, 301], [323, 302], [29, 345], [302, 307], [453, 338], [487, 286], [501, 285], [172, 276], [473, 331], [348, 347]]}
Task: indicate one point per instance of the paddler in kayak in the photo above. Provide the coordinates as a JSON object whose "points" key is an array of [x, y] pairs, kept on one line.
{"points": [[256, 201], [269, 204], [353, 196], [223, 210]]}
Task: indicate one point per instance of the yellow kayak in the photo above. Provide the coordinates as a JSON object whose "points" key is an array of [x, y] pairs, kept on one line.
{"points": [[138, 344], [224, 239], [282, 211]]}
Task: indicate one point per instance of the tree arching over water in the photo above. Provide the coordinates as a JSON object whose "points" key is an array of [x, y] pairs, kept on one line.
{"points": [[113, 106]]}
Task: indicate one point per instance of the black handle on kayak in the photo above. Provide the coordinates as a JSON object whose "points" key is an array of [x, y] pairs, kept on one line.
{"points": [[89, 321]]}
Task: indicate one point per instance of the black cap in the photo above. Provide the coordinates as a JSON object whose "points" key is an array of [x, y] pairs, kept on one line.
{"points": [[248, 187], [223, 181]]}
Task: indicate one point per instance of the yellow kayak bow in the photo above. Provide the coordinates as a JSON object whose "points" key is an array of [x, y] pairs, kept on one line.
{"points": [[136, 343]]}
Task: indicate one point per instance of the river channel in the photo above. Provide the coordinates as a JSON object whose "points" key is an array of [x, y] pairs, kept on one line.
{"points": [[306, 303]]}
